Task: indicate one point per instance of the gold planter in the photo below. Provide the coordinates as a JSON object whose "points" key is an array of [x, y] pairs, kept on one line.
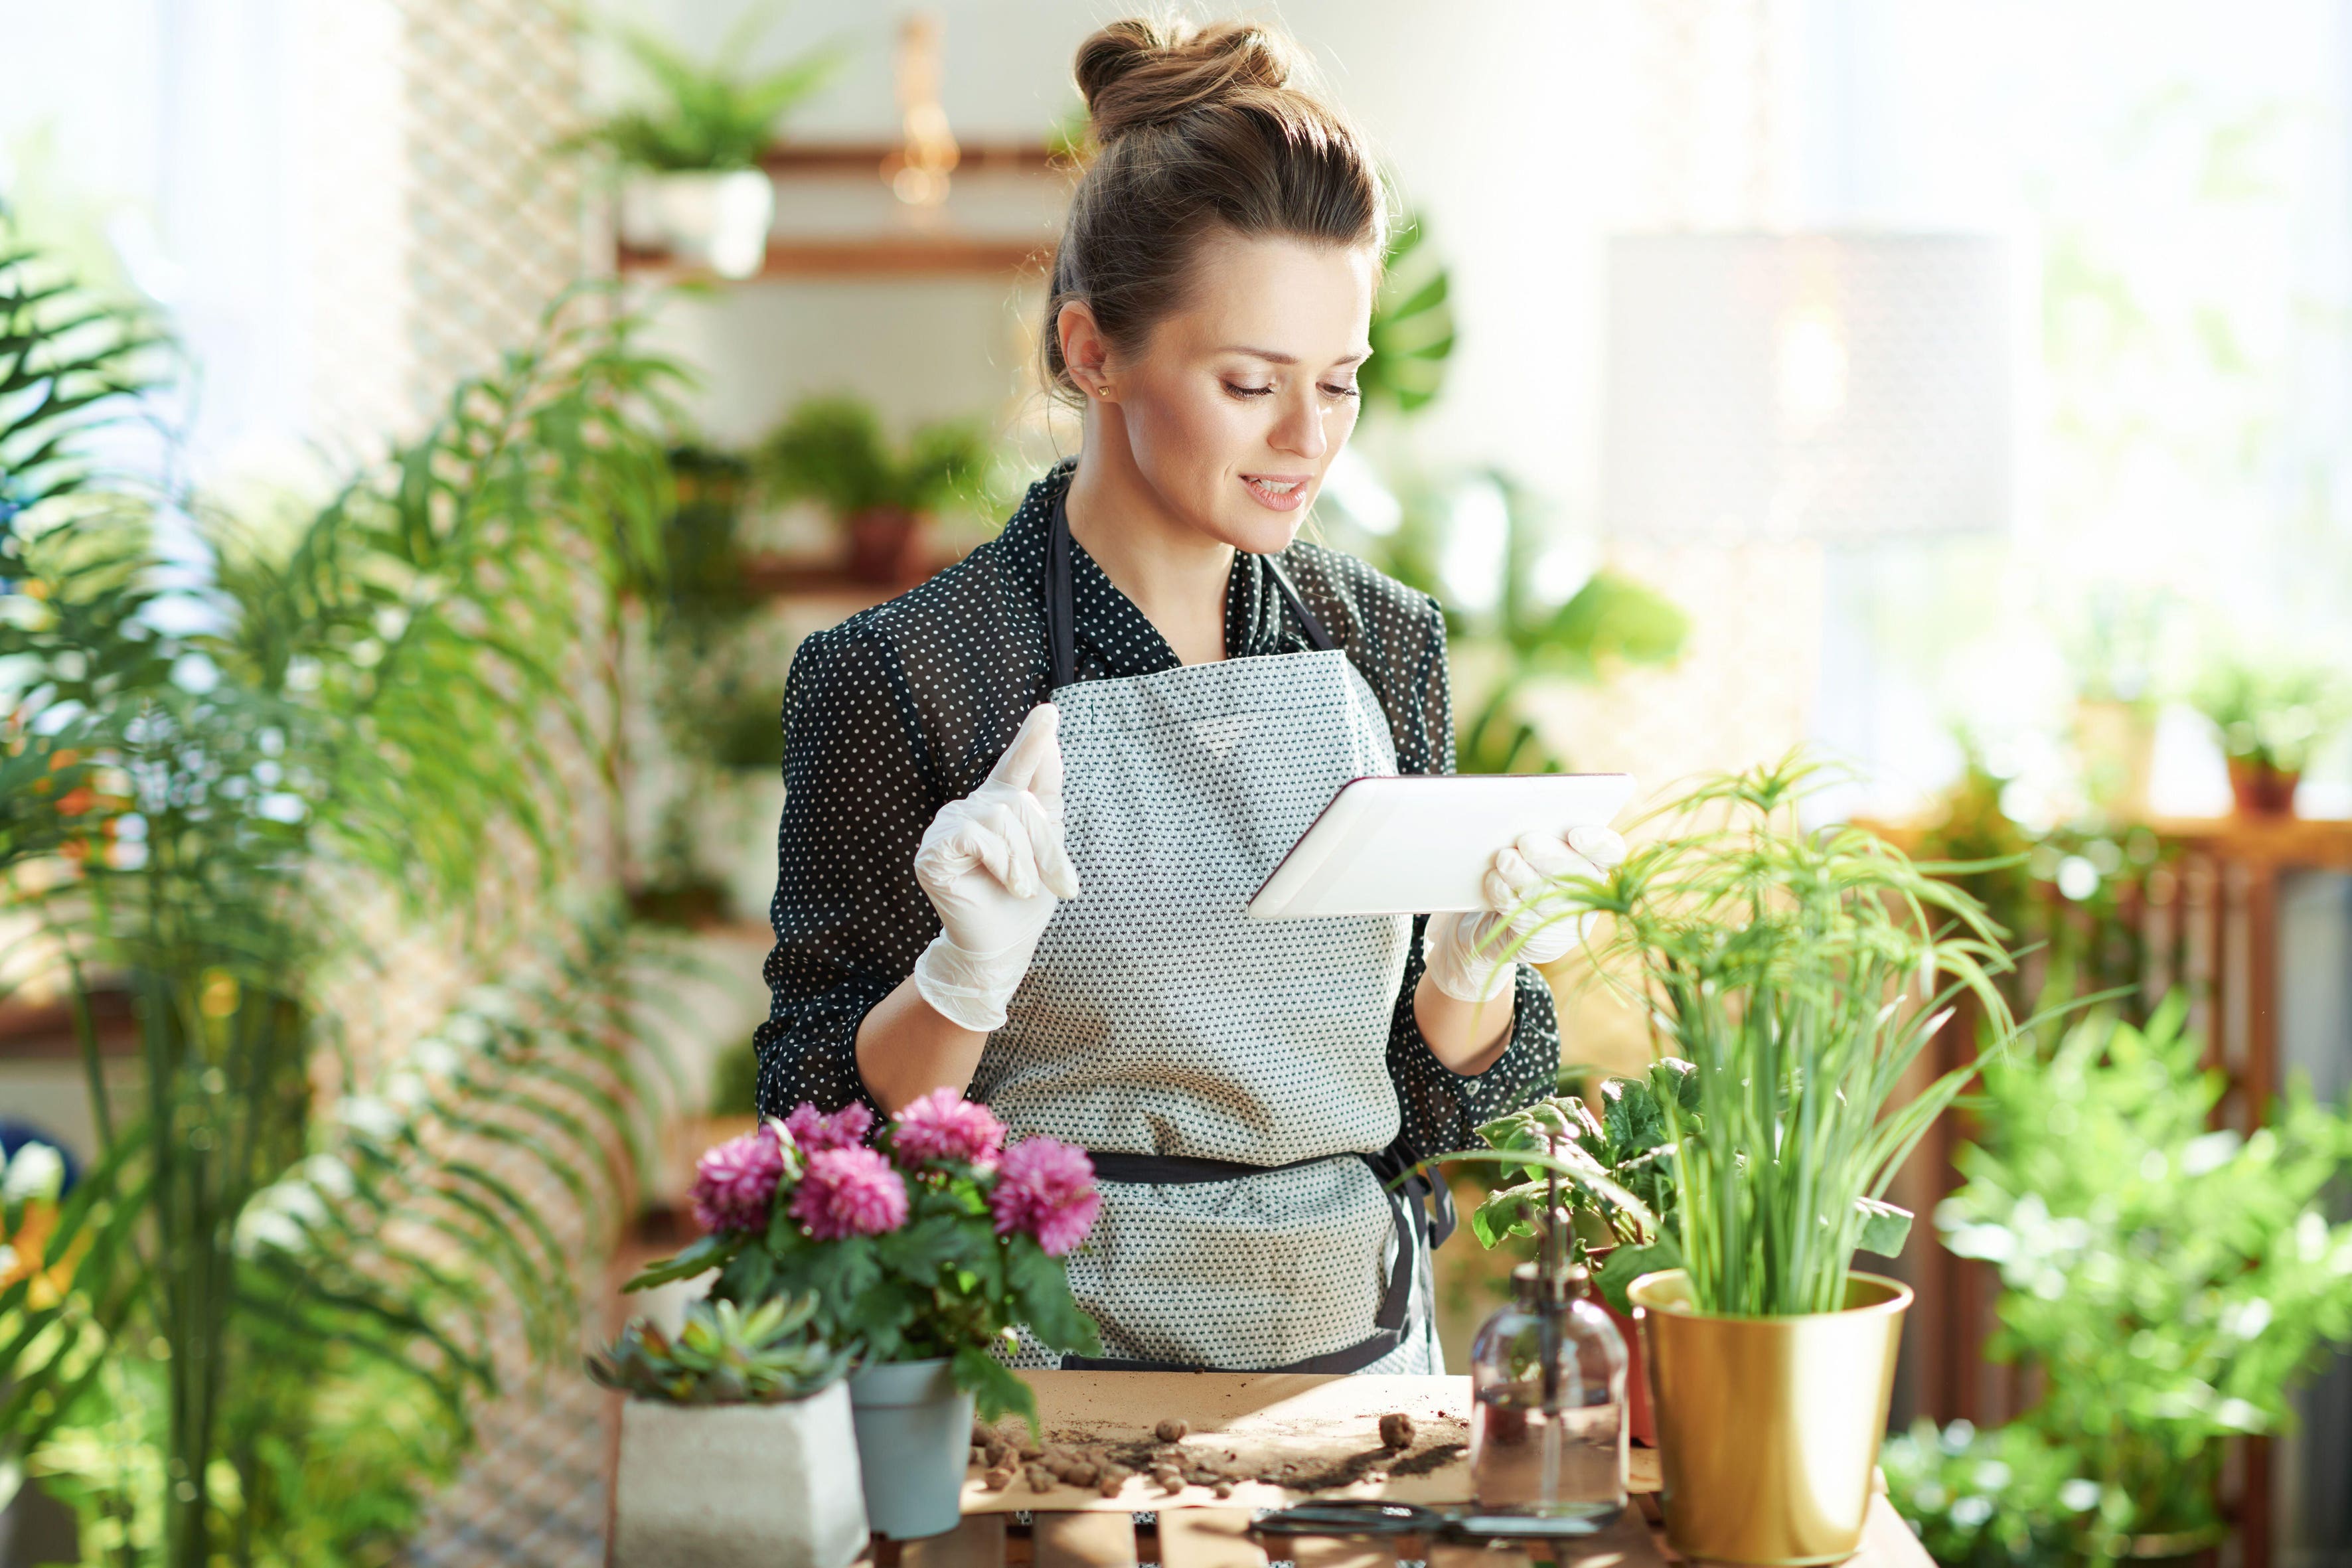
{"points": [[1769, 1427]]}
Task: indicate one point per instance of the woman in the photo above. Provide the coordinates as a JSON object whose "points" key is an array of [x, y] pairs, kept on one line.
{"points": [[1027, 801]]}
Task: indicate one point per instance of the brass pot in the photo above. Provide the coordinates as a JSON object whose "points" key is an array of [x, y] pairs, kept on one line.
{"points": [[1769, 1427]]}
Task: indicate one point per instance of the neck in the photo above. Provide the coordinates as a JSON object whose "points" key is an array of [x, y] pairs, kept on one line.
{"points": [[1176, 574]]}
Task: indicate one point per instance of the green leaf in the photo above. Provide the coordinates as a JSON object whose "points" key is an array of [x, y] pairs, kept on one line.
{"points": [[1626, 1264], [1042, 1288], [995, 1388], [1885, 1227], [707, 1252]]}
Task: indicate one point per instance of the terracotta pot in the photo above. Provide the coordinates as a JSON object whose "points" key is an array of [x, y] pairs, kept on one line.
{"points": [[2261, 789], [886, 544], [1638, 1423]]}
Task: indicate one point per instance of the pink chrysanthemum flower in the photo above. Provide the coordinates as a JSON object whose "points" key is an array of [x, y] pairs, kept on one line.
{"points": [[1046, 1188], [943, 1125], [813, 1130], [735, 1183], [849, 1192]]}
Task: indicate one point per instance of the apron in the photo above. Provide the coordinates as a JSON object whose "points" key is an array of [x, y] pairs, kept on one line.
{"points": [[1229, 1076]]}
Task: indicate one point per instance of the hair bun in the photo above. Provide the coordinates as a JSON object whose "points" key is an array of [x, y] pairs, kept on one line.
{"points": [[1139, 72]]}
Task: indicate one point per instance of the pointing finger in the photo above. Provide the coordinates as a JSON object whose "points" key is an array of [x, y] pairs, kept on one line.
{"points": [[1032, 744]]}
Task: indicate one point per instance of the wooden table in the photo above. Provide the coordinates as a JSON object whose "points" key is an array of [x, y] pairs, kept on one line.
{"points": [[1268, 1416]]}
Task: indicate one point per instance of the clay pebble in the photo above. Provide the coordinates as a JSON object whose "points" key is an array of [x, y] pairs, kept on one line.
{"points": [[1170, 1430], [1396, 1430]]}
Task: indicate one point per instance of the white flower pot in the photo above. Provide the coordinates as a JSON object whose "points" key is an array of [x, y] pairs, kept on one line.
{"points": [[732, 1486], [914, 1428], [716, 220]]}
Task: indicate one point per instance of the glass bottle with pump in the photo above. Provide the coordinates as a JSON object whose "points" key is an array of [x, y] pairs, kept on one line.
{"points": [[1548, 1429]]}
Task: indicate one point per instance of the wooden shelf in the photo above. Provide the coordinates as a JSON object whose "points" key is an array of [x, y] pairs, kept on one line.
{"points": [[910, 255], [826, 577], [945, 253], [45, 1031], [2278, 844], [798, 158]]}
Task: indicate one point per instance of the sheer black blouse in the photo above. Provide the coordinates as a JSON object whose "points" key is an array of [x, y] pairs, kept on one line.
{"points": [[905, 707]]}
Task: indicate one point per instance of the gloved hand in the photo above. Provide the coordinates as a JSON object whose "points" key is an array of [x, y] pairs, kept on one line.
{"points": [[1463, 951], [993, 866]]}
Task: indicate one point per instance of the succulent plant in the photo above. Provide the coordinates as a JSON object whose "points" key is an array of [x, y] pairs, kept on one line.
{"points": [[724, 1356]]}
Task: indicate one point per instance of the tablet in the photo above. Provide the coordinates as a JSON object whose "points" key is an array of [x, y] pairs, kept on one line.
{"points": [[1420, 844]]}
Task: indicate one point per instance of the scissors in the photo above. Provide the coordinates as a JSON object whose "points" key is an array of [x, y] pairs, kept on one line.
{"points": [[1373, 1516]]}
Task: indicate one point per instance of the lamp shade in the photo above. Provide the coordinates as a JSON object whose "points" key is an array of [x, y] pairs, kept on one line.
{"points": [[1827, 387]]}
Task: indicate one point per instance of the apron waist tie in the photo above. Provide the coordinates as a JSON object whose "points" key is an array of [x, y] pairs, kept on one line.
{"points": [[1412, 1201]]}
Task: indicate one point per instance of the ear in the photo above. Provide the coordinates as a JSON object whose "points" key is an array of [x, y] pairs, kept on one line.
{"points": [[1083, 349]]}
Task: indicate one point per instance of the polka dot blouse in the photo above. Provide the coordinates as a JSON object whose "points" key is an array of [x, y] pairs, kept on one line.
{"points": [[905, 707]]}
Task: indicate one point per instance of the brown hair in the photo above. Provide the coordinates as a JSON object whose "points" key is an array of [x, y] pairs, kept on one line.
{"points": [[1198, 129]]}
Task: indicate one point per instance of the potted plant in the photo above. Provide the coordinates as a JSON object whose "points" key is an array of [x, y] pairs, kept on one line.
{"points": [[1631, 1159], [735, 1442], [831, 450], [922, 1250], [694, 147], [1786, 967], [2167, 1284], [2270, 716]]}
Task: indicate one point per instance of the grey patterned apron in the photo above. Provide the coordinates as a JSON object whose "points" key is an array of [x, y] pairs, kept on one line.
{"points": [[1230, 1076]]}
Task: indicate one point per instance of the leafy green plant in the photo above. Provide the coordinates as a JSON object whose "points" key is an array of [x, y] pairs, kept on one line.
{"points": [[1609, 624], [358, 715], [2273, 712], [1795, 972], [2170, 1282], [708, 116], [2064, 893], [1631, 1158], [1411, 329], [723, 1354], [833, 450], [2004, 1499]]}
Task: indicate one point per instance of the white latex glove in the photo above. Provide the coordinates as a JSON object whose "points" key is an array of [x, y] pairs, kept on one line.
{"points": [[993, 866], [1463, 951]]}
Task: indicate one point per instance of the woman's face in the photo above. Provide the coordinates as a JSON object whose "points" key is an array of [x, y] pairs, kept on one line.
{"points": [[1238, 401]]}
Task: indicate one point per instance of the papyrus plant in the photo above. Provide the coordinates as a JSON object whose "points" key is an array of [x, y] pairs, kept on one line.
{"points": [[1800, 972]]}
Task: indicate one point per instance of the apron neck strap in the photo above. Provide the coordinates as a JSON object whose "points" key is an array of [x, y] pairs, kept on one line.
{"points": [[1061, 617]]}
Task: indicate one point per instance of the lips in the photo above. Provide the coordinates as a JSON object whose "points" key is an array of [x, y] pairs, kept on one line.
{"points": [[1277, 492]]}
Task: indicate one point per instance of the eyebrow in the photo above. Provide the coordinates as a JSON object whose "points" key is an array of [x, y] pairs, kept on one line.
{"points": [[1277, 357]]}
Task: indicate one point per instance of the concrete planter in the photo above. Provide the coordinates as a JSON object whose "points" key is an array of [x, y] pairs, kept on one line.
{"points": [[914, 1434], [734, 1486]]}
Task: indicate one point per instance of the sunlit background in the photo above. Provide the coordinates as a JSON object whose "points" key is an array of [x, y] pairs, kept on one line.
{"points": [[1963, 389]]}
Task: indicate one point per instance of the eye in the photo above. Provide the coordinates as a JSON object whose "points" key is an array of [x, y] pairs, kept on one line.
{"points": [[1347, 391], [1249, 391]]}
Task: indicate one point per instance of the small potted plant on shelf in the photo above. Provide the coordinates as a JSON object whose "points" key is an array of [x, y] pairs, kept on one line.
{"points": [[2269, 715], [1796, 974], [921, 1249], [831, 450], [735, 1441], [693, 150]]}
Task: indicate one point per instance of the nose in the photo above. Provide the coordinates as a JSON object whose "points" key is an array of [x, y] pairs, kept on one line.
{"points": [[1300, 430]]}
